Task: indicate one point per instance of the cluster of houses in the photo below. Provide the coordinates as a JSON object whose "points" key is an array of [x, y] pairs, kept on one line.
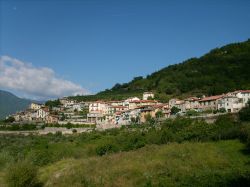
{"points": [[68, 112], [132, 110]]}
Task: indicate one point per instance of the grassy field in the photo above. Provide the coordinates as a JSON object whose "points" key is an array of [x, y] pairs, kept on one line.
{"points": [[180, 152], [186, 164]]}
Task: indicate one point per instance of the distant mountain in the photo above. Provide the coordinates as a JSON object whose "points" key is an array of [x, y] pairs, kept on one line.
{"points": [[221, 70], [10, 104]]}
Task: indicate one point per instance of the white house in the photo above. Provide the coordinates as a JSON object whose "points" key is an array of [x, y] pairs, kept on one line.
{"points": [[42, 113], [230, 103], [242, 94], [77, 106], [148, 95], [35, 106], [98, 106]]}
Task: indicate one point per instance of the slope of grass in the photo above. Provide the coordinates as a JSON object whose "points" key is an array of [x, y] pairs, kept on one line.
{"points": [[188, 164], [179, 152]]}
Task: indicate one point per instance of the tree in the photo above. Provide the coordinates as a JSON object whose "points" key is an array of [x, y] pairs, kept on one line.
{"points": [[135, 120], [159, 114], [244, 113], [174, 110], [10, 119], [55, 103], [222, 110], [149, 119]]}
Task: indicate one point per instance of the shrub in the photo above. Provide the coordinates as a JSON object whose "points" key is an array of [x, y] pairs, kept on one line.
{"points": [[192, 113], [106, 149], [22, 174], [174, 110], [9, 119], [244, 113], [222, 110]]}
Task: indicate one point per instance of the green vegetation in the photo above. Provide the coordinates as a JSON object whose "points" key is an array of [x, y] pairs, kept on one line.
{"points": [[9, 120], [174, 110], [245, 113], [70, 126], [187, 164], [109, 95], [22, 174], [17, 127], [180, 152], [221, 70], [53, 103]]}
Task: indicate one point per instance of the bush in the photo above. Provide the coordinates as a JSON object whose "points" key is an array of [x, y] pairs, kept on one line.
{"points": [[22, 174], [106, 149], [244, 113], [192, 113], [222, 110], [174, 110], [9, 119]]}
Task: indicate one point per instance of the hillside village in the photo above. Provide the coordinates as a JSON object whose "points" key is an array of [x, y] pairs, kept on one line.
{"points": [[110, 114]]}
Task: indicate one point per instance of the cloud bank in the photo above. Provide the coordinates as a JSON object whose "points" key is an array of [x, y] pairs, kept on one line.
{"points": [[39, 83]]}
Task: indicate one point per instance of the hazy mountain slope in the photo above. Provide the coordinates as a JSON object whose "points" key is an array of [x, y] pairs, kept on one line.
{"points": [[10, 104]]}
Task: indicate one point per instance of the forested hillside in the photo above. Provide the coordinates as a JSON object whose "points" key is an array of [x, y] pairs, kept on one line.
{"points": [[221, 70]]}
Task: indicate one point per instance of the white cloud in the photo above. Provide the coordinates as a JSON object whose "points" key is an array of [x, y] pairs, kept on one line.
{"points": [[40, 83]]}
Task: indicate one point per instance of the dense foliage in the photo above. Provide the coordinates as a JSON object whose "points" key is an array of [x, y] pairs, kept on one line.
{"points": [[17, 127], [53, 103], [244, 114]]}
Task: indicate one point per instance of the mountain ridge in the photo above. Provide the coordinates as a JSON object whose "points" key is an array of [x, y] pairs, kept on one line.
{"points": [[10, 103]]}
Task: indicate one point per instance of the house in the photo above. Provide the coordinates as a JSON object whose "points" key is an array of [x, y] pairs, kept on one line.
{"points": [[191, 103], [77, 107], [98, 106], [116, 103], [17, 116], [230, 103], [148, 95], [66, 102], [242, 94], [114, 109], [180, 104], [94, 117], [136, 104], [164, 108], [210, 103], [42, 113], [146, 111], [35, 106], [52, 119], [127, 117]]}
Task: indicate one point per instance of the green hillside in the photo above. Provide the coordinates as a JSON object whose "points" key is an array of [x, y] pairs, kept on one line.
{"points": [[221, 70], [10, 104]]}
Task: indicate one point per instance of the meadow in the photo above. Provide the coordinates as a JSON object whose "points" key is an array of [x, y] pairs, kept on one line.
{"points": [[180, 152]]}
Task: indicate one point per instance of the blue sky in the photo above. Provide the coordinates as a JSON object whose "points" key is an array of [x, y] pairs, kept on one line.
{"points": [[95, 44]]}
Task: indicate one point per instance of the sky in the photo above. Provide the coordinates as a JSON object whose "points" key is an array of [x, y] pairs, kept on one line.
{"points": [[55, 48]]}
